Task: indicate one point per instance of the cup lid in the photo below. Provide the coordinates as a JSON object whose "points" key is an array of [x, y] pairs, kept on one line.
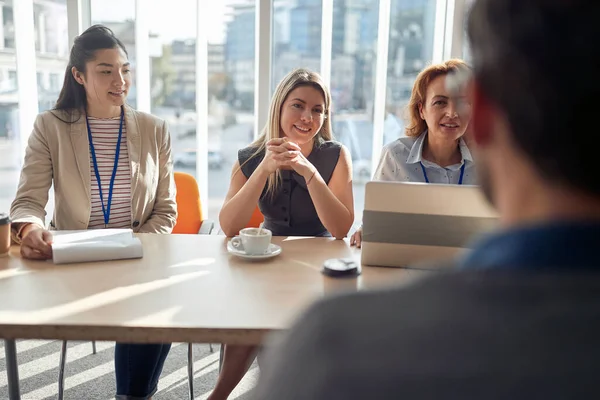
{"points": [[4, 218]]}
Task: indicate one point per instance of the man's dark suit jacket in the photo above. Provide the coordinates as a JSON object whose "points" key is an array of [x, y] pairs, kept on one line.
{"points": [[487, 334]]}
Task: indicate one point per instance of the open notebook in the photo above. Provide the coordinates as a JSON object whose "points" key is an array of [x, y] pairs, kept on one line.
{"points": [[94, 245]]}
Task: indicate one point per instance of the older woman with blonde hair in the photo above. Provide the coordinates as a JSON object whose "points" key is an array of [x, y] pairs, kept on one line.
{"points": [[434, 150], [300, 178]]}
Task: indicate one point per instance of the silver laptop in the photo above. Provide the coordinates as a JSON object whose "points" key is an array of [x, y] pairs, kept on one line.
{"points": [[413, 224]]}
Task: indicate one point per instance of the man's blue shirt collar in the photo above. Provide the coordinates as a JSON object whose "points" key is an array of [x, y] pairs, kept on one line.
{"points": [[553, 245]]}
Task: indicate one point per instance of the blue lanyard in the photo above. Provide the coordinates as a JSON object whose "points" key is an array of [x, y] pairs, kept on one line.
{"points": [[106, 209], [460, 180]]}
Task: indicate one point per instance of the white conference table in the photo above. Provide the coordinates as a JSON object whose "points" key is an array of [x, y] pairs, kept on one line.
{"points": [[186, 288]]}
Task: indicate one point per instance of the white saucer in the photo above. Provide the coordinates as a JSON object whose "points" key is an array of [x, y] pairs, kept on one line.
{"points": [[272, 251]]}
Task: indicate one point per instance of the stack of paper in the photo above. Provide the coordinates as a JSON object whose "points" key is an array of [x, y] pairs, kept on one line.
{"points": [[94, 245]]}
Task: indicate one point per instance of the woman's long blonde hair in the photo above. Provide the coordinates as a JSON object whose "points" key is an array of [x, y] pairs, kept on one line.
{"points": [[416, 125], [272, 130]]}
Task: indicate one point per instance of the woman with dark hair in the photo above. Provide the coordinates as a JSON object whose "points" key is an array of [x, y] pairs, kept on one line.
{"points": [[111, 168]]}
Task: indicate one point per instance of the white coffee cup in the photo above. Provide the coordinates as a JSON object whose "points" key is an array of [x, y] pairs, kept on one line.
{"points": [[253, 241]]}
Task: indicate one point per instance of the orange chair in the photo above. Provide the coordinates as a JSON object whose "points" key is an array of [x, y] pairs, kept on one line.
{"points": [[189, 210], [256, 219], [190, 220]]}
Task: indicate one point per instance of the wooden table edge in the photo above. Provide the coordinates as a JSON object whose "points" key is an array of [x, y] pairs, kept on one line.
{"points": [[136, 334]]}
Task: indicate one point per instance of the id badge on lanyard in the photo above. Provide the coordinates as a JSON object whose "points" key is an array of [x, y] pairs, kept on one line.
{"points": [[460, 180], [106, 208]]}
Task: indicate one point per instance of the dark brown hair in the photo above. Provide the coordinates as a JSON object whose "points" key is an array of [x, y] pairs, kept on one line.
{"points": [[535, 61], [72, 98]]}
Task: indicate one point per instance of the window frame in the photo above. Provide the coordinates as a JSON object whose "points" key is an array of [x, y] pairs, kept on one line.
{"points": [[448, 43]]}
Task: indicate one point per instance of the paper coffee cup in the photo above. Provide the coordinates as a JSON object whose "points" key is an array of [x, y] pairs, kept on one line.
{"points": [[4, 234]]}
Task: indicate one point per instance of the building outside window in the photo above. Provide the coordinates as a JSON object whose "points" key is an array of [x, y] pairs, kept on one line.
{"points": [[51, 44], [296, 42], [119, 16]]}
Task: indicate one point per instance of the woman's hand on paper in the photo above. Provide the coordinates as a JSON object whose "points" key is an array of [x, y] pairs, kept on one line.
{"points": [[36, 243]]}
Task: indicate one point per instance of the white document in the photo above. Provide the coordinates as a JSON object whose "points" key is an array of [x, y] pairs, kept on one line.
{"points": [[94, 245]]}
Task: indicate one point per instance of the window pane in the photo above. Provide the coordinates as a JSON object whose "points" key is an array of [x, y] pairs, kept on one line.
{"points": [[353, 60], [230, 91], [9, 109], [173, 77], [51, 44], [296, 37], [466, 48], [410, 50], [119, 15]]}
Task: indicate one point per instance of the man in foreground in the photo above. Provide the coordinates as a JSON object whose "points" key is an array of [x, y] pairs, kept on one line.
{"points": [[519, 317]]}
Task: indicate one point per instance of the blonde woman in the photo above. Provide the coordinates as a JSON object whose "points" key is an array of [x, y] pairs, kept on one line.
{"points": [[434, 150], [300, 179]]}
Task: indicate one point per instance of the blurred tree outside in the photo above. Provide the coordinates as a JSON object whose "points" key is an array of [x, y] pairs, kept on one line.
{"points": [[218, 85], [163, 76]]}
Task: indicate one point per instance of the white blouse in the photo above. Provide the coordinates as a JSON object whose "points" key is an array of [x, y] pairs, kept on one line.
{"points": [[402, 161]]}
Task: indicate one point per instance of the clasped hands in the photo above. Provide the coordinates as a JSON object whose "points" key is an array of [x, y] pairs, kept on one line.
{"points": [[283, 154]]}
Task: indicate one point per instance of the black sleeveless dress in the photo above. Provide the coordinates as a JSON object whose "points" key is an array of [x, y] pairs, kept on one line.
{"points": [[291, 212]]}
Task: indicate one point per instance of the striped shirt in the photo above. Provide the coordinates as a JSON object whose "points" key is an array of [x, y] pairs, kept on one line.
{"points": [[105, 133]]}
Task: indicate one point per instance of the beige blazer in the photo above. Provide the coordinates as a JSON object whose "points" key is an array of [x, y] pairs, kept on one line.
{"points": [[58, 153]]}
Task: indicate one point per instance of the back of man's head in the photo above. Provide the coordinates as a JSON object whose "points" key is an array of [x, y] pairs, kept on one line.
{"points": [[537, 61]]}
